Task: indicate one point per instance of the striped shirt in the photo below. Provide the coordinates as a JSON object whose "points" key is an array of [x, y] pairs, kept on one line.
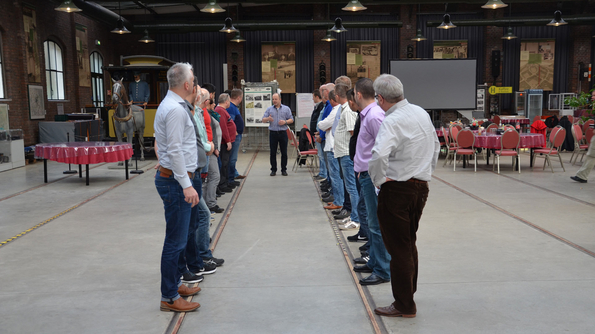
{"points": [[342, 134]]}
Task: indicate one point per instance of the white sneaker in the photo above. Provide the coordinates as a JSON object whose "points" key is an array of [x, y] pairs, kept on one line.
{"points": [[349, 226], [345, 220]]}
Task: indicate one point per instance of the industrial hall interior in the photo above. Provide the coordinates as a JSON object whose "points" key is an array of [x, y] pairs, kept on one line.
{"points": [[265, 166]]}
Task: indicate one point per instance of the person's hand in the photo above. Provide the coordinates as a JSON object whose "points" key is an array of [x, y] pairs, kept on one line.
{"points": [[282, 122], [145, 104], [157, 166], [212, 148], [191, 196], [229, 146], [270, 119], [318, 140], [216, 153]]}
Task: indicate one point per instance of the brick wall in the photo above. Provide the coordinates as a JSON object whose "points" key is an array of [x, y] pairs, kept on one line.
{"points": [[322, 52], [235, 56], [580, 52]]}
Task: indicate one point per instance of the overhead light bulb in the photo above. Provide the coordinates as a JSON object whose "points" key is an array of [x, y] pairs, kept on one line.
{"points": [[212, 7], [238, 38], [494, 4], [329, 37], [338, 27], [228, 27], [558, 20], [446, 23], [419, 37], [509, 34], [68, 7], [354, 6], [120, 28], [146, 38]]}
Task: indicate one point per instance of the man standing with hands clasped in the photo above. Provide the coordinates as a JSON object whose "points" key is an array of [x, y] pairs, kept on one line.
{"points": [[403, 159], [279, 116]]}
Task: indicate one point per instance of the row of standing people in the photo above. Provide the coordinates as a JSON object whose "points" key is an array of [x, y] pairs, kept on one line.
{"points": [[377, 153]]}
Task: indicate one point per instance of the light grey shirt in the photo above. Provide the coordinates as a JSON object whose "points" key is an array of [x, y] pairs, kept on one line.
{"points": [[342, 135], [406, 146], [175, 138]]}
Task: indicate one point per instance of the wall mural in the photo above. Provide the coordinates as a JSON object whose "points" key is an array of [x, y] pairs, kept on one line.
{"points": [[537, 64], [363, 60], [450, 49], [278, 63], [33, 61], [82, 52]]}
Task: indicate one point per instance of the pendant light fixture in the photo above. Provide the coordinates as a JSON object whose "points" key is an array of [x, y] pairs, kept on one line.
{"points": [[68, 7], [146, 38], [338, 27], [329, 37], [419, 37], [446, 23], [228, 27], [354, 6], [238, 38], [509, 34], [494, 4], [558, 20], [120, 28], [212, 7]]}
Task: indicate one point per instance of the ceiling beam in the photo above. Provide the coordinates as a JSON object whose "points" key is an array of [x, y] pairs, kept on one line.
{"points": [[142, 5]]}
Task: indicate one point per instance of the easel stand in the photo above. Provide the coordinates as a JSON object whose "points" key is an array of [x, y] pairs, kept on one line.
{"points": [[136, 170], [69, 171]]}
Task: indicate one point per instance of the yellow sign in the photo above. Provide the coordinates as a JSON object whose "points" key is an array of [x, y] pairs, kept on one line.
{"points": [[500, 90]]}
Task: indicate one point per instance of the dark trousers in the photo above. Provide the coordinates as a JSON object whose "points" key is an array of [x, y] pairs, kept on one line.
{"points": [[400, 205], [224, 154], [278, 138]]}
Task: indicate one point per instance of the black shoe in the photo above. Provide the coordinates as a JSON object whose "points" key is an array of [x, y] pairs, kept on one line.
{"points": [[325, 188], [209, 268], [364, 247], [360, 260], [372, 280], [329, 199], [357, 237], [362, 269], [318, 178], [217, 196], [326, 194], [325, 183], [237, 183], [273, 173], [231, 185], [578, 179], [343, 214], [217, 262], [216, 209], [192, 278], [336, 212], [284, 173], [225, 189]]}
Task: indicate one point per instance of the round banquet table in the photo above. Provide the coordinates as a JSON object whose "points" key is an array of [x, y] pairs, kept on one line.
{"points": [[491, 141], [83, 153]]}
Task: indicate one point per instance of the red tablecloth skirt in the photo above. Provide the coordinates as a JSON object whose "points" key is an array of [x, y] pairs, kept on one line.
{"points": [[528, 140], [84, 153]]}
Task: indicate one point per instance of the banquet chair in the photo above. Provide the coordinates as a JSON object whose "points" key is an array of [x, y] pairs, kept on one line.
{"points": [[496, 120], [588, 137], [466, 142], [308, 154], [579, 145], [570, 119], [509, 147], [312, 146], [508, 126], [491, 126], [453, 132], [555, 140], [449, 149], [291, 142], [587, 124]]}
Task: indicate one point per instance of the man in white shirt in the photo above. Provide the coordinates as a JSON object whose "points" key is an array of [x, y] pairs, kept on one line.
{"points": [[333, 164], [403, 159], [175, 138]]}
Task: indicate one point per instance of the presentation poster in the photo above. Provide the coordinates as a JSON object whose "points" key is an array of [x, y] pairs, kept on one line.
{"points": [[256, 102], [363, 60], [450, 49], [278, 63], [537, 64]]}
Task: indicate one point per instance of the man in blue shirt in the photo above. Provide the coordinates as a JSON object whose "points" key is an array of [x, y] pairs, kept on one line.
{"points": [[233, 111], [279, 116], [139, 91]]}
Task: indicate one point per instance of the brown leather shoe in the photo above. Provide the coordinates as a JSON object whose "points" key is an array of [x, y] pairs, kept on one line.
{"points": [[391, 311], [186, 291], [239, 177], [332, 207], [179, 305]]}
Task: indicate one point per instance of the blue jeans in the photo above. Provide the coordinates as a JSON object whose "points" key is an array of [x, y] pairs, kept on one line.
{"points": [[235, 148], [321, 160], [379, 258], [190, 260], [336, 181], [177, 220], [349, 180], [203, 236], [361, 210]]}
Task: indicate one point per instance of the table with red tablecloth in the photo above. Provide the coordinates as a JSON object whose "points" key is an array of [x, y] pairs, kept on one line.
{"points": [[83, 153], [513, 120], [493, 141]]}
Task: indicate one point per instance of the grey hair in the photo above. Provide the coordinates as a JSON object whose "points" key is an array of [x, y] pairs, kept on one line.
{"points": [[343, 80], [204, 93], [223, 98], [178, 74], [390, 87]]}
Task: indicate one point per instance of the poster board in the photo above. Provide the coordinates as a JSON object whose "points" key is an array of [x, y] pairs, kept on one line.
{"points": [[4, 125], [36, 102], [450, 49], [278, 63], [304, 109], [82, 52], [363, 59], [32, 49], [537, 64], [258, 96]]}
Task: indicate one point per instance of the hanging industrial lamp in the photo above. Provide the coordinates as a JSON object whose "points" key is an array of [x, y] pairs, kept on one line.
{"points": [[338, 27], [494, 4], [419, 37], [146, 38], [212, 7], [120, 27], [354, 6], [329, 37], [509, 34], [228, 27], [238, 38], [446, 23], [68, 7], [558, 20]]}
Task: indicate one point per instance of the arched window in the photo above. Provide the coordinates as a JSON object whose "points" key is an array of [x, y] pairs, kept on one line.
{"points": [[54, 70], [97, 79], [2, 94]]}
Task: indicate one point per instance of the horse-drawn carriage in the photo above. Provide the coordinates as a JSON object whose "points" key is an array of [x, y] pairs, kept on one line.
{"points": [[128, 117]]}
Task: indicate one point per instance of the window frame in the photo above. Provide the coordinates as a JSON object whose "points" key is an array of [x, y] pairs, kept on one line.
{"points": [[54, 76], [97, 79], [2, 81]]}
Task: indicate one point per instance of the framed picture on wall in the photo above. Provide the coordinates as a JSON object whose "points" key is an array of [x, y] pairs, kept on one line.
{"points": [[36, 104]]}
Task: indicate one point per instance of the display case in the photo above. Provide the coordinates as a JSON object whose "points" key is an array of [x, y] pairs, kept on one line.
{"points": [[533, 103], [519, 103], [3, 135], [12, 149], [16, 134]]}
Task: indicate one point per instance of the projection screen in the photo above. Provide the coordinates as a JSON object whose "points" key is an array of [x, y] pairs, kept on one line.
{"points": [[438, 83]]}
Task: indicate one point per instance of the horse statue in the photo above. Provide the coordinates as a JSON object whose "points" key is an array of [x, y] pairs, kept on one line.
{"points": [[128, 118]]}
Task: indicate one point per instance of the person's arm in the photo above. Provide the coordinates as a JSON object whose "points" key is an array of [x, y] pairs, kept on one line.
{"points": [[327, 123], [223, 123], [267, 118], [207, 120], [174, 123], [386, 142], [147, 93]]}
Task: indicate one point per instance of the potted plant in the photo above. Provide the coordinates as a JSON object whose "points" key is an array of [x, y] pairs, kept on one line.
{"points": [[583, 104]]}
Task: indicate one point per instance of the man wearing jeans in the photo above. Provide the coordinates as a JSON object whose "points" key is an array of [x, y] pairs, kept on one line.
{"points": [[278, 116], [236, 97], [175, 137], [371, 117], [329, 147]]}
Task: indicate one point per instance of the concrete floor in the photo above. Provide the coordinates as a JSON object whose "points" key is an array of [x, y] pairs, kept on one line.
{"points": [[508, 253]]}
